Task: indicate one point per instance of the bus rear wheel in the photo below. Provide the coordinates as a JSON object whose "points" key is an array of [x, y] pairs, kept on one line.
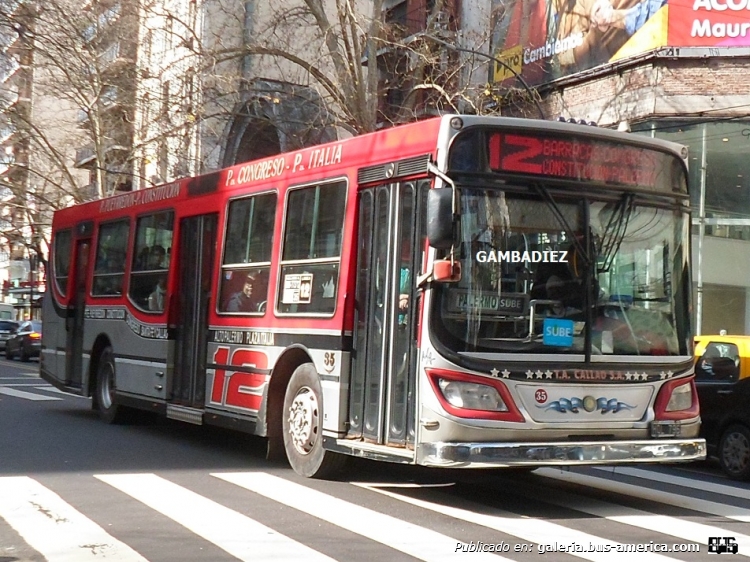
{"points": [[105, 400], [302, 424]]}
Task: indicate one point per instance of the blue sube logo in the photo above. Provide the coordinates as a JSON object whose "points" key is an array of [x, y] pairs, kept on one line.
{"points": [[558, 332], [722, 544]]}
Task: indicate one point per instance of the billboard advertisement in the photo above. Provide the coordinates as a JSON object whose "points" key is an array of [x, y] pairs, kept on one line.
{"points": [[543, 40], [709, 23]]}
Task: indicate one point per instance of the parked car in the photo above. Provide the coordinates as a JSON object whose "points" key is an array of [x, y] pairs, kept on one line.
{"points": [[25, 342], [7, 327], [722, 375]]}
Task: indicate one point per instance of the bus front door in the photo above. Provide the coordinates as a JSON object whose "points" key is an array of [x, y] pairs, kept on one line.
{"points": [[75, 316], [382, 380], [196, 252]]}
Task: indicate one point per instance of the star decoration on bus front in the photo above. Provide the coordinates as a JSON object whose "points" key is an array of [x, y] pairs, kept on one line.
{"points": [[666, 375]]}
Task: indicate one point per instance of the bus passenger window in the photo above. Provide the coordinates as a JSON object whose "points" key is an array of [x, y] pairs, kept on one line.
{"points": [[249, 222], [148, 278], [313, 229], [111, 249], [247, 254], [246, 291], [157, 297], [61, 259]]}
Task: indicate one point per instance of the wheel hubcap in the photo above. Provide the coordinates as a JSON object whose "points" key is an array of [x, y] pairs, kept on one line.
{"points": [[736, 453], [304, 420], [108, 387]]}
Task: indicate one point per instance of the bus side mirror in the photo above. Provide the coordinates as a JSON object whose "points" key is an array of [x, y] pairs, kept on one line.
{"points": [[440, 218]]}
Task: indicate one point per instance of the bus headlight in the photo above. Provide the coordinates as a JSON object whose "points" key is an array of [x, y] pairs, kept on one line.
{"points": [[681, 399], [472, 396]]}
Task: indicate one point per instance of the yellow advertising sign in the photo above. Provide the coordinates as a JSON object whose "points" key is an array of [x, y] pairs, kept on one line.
{"points": [[512, 57]]}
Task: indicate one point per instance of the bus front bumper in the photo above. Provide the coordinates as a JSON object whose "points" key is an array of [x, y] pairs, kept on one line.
{"points": [[498, 455]]}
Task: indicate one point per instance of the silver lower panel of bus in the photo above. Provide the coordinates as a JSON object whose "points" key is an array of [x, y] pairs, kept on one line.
{"points": [[486, 455], [185, 414]]}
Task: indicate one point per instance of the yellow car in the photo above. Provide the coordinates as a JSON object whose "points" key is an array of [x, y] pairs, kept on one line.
{"points": [[722, 375]]}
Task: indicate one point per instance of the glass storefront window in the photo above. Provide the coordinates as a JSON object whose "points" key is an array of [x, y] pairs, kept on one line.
{"points": [[727, 177]]}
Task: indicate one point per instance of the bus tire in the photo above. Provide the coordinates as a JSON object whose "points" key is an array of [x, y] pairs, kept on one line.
{"points": [[105, 399], [734, 452], [302, 425]]}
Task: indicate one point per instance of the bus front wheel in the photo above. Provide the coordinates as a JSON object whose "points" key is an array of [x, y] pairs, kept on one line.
{"points": [[302, 422], [105, 401]]}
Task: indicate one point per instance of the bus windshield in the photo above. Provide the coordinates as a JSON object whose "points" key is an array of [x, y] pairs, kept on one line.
{"points": [[575, 276]]}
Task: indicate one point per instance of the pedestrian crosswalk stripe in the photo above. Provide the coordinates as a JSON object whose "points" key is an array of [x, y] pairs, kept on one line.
{"points": [[681, 528], [732, 491], [54, 528], [398, 534], [533, 530], [25, 395], [240, 536], [58, 391], [677, 500]]}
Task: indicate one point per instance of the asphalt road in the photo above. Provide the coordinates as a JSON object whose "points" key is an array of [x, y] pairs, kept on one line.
{"points": [[74, 489]]}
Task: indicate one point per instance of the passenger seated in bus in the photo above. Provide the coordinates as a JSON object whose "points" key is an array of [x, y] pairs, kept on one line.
{"points": [[249, 298], [156, 299], [156, 257], [556, 281], [141, 261]]}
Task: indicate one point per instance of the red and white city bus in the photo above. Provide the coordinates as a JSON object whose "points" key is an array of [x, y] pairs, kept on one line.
{"points": [[461, 292]]}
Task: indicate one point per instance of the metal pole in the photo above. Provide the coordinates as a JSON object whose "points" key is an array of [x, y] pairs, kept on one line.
{"points": [[32, 278], [701, 234]]}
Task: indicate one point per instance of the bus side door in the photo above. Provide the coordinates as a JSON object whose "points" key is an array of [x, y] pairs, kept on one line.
{"points": [[383, 371], [197, 249], [75, 315]]}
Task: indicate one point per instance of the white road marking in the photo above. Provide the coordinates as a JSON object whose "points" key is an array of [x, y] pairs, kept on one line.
{"points": [[25, 395], [398, 534], [680, 528], [58, 391], [240, 536], [686, 502], [529, 529], [54, 528], [733, 491]]}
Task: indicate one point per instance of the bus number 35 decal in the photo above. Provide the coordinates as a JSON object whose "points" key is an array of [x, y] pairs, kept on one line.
{"points": [[234, 388]]}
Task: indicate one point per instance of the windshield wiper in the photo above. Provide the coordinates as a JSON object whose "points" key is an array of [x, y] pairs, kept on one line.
{"points": [[614, 232]]}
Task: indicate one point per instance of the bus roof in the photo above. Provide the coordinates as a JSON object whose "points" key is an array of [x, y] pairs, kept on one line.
{"points": [[336, 159]]}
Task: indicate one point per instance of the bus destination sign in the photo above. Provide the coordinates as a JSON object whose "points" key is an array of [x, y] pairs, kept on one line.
{"points": [[579, 159], [487, 303]]}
